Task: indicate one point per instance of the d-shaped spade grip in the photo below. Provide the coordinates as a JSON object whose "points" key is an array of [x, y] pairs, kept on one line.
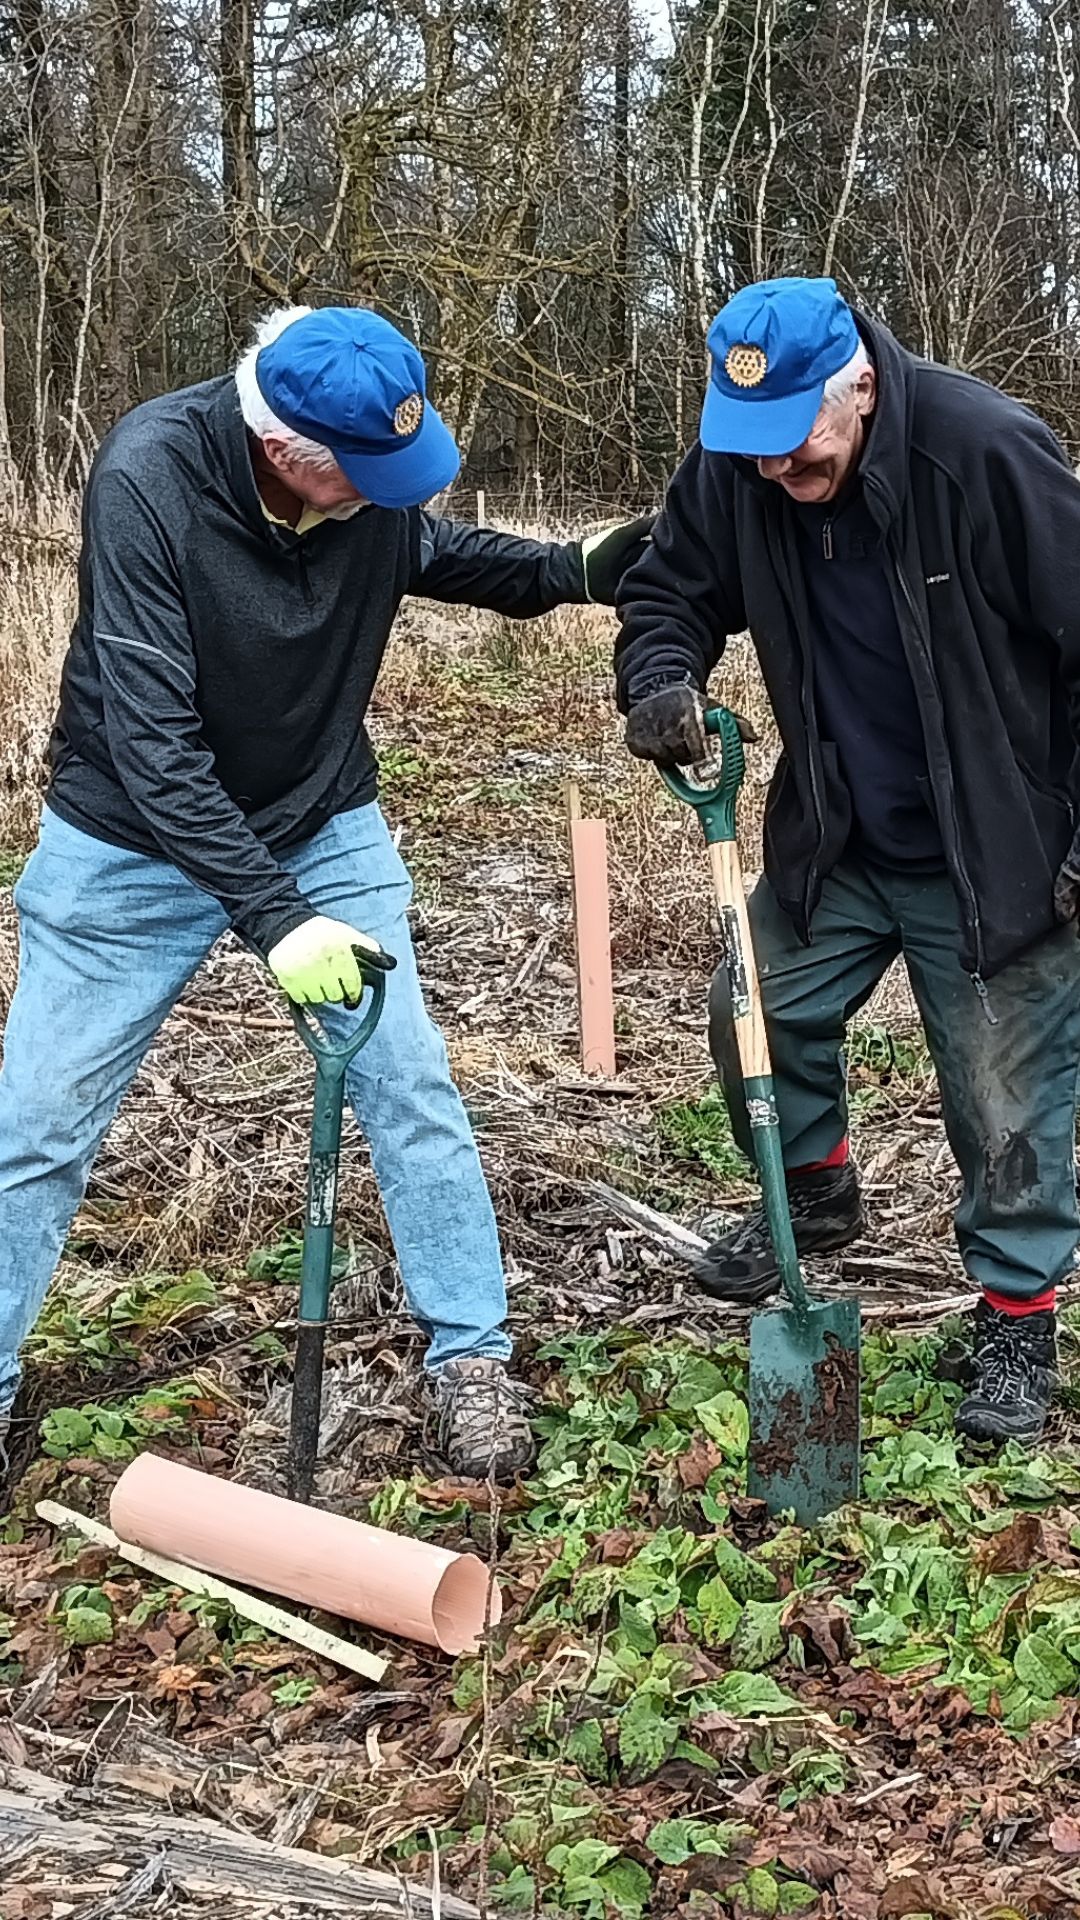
{"points": [[306, 1019], [713, 794], [331, 1061]]}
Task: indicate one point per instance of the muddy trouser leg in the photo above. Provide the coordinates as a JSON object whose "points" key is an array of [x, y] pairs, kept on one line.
{"points": [[808, 995], [107, 941], [1008, 1093]]}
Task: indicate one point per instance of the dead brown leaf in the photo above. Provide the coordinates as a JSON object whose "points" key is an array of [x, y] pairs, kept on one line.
{"points": [[1065, 1834], [701, 1458], [1017, 1548], [450, 1734], [804, 1856], [159, 1641], [24, 1903], [176, 1680], [911, 1894], [615, 1548], [823, 1627]]}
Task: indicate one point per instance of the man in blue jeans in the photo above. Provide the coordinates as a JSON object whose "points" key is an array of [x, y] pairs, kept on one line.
{"points": [[903, 544], [246, 544]]}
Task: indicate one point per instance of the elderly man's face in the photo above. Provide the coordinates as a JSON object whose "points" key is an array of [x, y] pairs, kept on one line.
{"points": [[818, 470], [323, 488]]}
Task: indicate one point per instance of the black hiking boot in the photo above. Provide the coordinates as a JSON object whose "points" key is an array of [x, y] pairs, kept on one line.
{"points": [[1013, 1373], [826, 1213]]}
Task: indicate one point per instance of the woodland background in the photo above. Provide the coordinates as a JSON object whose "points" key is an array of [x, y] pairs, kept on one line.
{"points": [[553, 196]]}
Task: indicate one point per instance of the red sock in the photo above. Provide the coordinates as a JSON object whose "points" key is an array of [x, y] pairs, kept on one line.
{"points": [[1019, 1309], [837, 1158]]}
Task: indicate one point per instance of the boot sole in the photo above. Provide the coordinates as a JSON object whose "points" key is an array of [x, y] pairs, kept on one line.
{"points": [[752, 1293], [995, 1432]]}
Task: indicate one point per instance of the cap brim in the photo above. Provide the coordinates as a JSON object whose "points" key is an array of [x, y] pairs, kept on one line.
{"points": [[406, 476], [758, 428]]}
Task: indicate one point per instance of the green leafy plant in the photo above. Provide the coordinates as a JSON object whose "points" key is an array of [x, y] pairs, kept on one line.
{"points": [[86, 1616], [71, 1330], [281, 1261], [294, 1693], [701, 1130], [94, 1432]]}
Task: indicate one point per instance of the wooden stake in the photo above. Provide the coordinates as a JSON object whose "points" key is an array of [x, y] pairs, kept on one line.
{"points": [[289, 1626], [592, 935]]}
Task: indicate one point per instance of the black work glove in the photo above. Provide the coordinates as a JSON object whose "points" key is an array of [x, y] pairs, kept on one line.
{"points": [[607, 556], [667, 725], [1067, 889]]}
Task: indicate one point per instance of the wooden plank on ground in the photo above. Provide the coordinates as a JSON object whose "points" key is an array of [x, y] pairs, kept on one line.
{"points": [[592, 937]]}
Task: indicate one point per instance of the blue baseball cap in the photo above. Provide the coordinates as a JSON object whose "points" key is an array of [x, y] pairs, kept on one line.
{"points": [[345, 377], [772, 349]]}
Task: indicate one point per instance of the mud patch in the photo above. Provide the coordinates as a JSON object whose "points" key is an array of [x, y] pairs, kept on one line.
{"points": [[1013, 1168], [775, 1456], [835, 1416]]}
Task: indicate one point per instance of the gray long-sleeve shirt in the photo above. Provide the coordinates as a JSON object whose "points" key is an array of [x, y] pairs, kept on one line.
{"points": [[220, 666]]}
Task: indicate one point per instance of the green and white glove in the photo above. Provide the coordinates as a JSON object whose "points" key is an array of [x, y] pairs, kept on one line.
{"points": [[316, 963], [607, 556]]}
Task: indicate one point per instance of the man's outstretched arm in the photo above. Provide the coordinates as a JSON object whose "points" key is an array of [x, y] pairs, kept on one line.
{"points": [[476, 567]]}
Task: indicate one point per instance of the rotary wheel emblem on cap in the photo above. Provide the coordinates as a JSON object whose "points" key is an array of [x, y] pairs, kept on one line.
{"points": [[746, 366], [408, 414]]}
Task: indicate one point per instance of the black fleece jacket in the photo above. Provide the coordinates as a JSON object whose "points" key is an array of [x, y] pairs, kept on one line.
{"points": [[980, 515], [214, 692]]}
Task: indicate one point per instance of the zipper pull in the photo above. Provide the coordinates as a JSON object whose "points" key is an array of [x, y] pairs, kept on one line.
{"points": [[979, 985], [826, 540]]}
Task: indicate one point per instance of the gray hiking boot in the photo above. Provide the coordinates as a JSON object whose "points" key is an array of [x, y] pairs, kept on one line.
{"points": [[483, 1420], [1012, 1377]]}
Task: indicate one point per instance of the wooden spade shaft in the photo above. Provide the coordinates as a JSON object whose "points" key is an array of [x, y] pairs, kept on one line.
{"points": [[753, 1044]]}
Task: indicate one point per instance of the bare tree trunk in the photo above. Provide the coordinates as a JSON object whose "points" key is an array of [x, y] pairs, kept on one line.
{"points": [[873, 34], [618, 327], [239, 156], [526, 414], [122, 42], [53, 353]]}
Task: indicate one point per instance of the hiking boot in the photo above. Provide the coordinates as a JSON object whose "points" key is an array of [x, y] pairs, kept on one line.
{"points": [[1013, 1373], [483, 1420], [826, 1213]]}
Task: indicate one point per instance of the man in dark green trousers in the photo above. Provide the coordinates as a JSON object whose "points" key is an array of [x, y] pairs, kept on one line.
{"points": [[903, 544]]}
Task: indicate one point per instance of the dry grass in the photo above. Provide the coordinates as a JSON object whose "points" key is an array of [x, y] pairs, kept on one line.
{"points": [[37, 603]]}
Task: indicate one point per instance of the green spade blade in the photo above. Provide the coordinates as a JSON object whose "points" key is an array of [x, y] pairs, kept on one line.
{"points": [[804, 1408]]}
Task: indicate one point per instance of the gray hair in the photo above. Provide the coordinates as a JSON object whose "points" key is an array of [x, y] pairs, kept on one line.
{"points": [[260, 419], [839, 385]]}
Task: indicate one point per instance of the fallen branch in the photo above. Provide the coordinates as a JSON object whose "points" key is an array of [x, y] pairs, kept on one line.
{"points": [[195, 1854], [289, 1626], [251, 1022], [660, 1227]]}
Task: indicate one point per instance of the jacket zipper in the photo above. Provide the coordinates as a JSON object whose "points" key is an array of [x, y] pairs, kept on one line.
{"points": [[976, 978], [305, 580], [826, 540], [806, 701]]}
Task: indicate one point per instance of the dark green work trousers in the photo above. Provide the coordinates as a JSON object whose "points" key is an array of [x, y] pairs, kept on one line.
{"points": [[1008, 1087]]}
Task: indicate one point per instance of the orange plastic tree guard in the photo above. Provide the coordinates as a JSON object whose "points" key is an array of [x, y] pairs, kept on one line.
{"points": [[320, 1559], [592, 929]]}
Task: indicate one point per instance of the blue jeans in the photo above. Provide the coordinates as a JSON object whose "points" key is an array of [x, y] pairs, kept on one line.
{"points": [[108, 941]]}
